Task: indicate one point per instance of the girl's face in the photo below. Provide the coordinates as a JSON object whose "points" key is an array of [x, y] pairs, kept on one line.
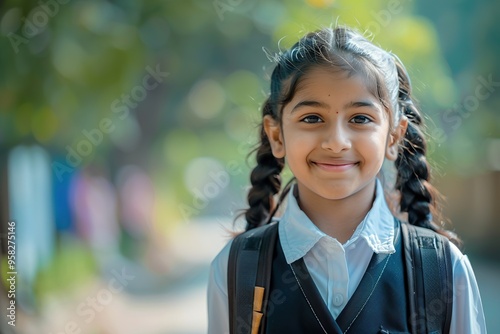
{"points": [[334, 134]]}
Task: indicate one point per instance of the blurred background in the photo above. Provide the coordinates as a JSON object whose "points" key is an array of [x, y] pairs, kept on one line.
{"points": [[125, 128]]}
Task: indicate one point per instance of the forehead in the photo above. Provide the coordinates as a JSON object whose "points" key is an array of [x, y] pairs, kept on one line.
{"points": [[323, 79]]}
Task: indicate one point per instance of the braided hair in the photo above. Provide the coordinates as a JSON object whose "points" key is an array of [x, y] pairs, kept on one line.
{"points": [[345, 50], [418, 196], [265, 178]]}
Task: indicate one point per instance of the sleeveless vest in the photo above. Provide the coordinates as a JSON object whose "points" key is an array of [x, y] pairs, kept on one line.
{"points": [[379, 304]]}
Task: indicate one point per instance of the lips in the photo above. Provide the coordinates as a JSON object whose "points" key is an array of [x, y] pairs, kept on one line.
{"points": [[335, 166]]}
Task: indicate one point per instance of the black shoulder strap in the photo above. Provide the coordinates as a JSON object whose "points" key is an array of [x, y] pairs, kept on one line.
{"points": [[430, 279], [249, 266]]}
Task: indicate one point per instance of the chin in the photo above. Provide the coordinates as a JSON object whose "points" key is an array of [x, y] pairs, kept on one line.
{"points": [[336, 193]]}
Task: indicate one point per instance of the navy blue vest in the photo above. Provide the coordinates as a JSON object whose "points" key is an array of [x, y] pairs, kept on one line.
{"points": [[379, 304]]}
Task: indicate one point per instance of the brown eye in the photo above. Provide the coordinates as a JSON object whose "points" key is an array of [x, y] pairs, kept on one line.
{"points": [[360, 119], [311, 119]]}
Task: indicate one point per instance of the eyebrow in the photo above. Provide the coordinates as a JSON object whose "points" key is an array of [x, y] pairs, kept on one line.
{"points": [[317, 104], [359, 104], [310, 103]]}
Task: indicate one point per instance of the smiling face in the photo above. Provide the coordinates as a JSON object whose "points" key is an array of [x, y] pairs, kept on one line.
{"points": [[334, 134]]}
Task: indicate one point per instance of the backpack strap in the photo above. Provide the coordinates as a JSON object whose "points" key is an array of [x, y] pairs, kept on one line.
{"points": [[430, 279], [249, 277]]}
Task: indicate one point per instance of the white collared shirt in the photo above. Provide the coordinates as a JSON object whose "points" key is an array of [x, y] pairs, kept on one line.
{"points": [[337, 268]]}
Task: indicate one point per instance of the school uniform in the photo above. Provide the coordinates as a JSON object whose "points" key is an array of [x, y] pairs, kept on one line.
{"points": [[312, 298]]}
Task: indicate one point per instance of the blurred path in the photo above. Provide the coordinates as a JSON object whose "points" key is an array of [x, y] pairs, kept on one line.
{"points": [[177, 308]]}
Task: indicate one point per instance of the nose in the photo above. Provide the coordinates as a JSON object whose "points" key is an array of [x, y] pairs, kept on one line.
{"points": [[336, 139]]}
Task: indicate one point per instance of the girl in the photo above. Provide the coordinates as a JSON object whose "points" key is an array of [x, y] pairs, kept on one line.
{"points": [[339, 106]]}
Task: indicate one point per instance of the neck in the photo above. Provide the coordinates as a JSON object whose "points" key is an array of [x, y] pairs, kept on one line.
{"points": [[339, 217]]}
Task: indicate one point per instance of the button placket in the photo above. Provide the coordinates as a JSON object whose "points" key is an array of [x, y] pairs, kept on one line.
{"points": [[339, 286]]}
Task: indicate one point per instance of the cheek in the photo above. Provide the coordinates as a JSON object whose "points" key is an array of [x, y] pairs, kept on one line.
{"points": [[295, 138], [375, 145]]}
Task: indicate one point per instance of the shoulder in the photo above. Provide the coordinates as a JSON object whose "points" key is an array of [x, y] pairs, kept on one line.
{"points": [[257, 232], [460, 264], [467, 314], [458, 259], [218, 269], [456, 254], [219, 265], [463, 273]]}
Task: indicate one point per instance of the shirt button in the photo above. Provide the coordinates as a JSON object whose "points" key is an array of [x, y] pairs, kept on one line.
{"points": [[338, 299]]}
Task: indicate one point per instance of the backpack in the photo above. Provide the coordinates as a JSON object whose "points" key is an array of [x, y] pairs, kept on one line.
{"points": [[428, 272]]}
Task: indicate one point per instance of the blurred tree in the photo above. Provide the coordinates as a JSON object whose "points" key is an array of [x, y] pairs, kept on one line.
{"points": [[73, 72], [469, 39]]}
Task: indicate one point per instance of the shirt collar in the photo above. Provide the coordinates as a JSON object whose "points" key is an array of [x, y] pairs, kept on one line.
{"points": [[298, 234]]}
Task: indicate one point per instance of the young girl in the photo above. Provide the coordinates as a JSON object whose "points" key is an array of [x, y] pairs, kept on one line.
{"points": [[339, 106]]}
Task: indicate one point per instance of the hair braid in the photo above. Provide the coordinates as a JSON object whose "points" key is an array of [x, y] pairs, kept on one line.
{"points": [[413, 172], [413, 177], [265, 179]]}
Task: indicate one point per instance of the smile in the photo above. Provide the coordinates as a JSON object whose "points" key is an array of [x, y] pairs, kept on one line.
{"points": [[335, 167]]}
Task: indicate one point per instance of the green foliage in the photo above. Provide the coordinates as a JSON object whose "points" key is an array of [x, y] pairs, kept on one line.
{"points": [[69, 269], [90, 53]]}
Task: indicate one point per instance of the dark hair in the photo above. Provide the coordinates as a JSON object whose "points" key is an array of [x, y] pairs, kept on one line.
{"points": [[345, 50]]}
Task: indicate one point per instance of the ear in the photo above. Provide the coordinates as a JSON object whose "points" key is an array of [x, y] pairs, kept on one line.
{"points": [[273, 132], [392, 149]]}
